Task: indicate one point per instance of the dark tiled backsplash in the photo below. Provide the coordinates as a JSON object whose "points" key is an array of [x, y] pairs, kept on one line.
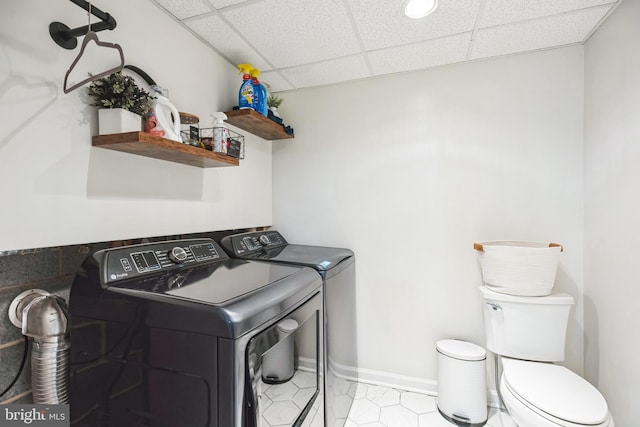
{"points": [[51, 269]]}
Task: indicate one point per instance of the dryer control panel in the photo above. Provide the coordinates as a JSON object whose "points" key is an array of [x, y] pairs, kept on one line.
{"points": [[134, 261], [241, 245]]}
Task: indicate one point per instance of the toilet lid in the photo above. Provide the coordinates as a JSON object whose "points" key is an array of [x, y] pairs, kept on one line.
{"points": [[555, 390]]}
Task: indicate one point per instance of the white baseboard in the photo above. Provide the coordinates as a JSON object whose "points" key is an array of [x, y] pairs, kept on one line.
{"points": [[388, 379], [401, 382]]}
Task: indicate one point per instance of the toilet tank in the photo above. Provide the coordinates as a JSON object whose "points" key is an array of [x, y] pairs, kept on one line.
{"points": [[529, 328]]}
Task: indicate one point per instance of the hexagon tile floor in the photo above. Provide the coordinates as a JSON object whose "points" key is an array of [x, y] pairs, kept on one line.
{"points": [[373, 406], [378, 406], [283, 402]]}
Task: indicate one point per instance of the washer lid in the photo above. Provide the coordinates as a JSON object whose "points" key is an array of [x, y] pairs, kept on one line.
{"points": [[555, 390], [271, 246], [462, 350]]}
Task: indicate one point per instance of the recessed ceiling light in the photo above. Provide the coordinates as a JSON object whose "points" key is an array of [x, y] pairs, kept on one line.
{"points": [[419, 8]]}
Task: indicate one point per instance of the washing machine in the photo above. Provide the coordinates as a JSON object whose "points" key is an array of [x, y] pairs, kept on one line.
{"points": [[336, 266], [174, 334]]}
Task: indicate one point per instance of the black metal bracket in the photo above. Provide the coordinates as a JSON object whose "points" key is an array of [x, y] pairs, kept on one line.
{"points": [[67, 38]]}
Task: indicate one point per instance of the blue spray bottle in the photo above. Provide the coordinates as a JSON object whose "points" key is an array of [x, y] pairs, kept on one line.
{"points": [[260, 93], [246, 94]]}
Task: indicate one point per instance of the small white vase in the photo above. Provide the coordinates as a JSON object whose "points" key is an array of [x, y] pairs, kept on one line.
{"points": [[274, 110], [118, 120]]}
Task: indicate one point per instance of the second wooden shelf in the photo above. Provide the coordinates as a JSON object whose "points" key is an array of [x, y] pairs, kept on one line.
{"points": [[257, 124]]}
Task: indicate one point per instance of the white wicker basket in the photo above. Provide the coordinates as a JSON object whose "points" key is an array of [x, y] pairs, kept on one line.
{"points": [[519, 268]]}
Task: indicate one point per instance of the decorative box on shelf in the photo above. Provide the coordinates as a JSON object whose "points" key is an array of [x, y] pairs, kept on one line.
{"points": [[189, 128], [118, 120]]}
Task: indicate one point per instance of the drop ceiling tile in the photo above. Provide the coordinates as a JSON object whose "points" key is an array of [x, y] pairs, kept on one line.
{"points": [[224, 39], [498, 12], [182, 9], [542, 33], [333, 71], [219, 4], [431, 53], [274, 81], [295, 42], [295, 32], [382, 23]]}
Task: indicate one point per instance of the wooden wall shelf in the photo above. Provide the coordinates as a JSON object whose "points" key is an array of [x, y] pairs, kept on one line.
{"points": [[257, 124], [145, 144]]}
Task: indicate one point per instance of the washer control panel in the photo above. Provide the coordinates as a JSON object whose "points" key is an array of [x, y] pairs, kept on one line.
{"points": [[246, 243], [133, 261]]}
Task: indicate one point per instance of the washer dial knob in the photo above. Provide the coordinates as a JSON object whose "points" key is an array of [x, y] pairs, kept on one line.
{"points": [[264, 239], [178, 255]]}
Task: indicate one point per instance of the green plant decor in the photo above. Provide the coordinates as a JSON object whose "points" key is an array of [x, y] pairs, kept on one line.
{"points": [[274, 101], [119, 91]]}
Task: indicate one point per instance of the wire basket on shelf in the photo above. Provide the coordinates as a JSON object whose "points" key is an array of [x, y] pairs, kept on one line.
{"points": [[224, 141]]}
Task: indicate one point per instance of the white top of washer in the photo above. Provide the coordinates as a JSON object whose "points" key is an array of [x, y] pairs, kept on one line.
{"points": [[556, 391]]}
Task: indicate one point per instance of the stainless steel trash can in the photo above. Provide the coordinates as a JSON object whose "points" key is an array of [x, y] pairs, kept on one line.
{"points": [[277, 363], [462, 385]]}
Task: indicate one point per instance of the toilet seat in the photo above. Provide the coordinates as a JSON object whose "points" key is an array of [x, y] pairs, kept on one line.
{"points": [[555, 393]]}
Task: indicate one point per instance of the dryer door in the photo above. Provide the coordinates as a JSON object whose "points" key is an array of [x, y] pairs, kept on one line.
{"points": [[283, 378]]}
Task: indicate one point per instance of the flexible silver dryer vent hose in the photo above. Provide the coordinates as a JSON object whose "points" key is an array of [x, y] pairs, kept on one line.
{"points": [[50, 370], [44, 318]]}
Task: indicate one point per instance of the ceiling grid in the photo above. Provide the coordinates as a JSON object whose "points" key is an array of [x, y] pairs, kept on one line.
{"points": [[306, 43]]}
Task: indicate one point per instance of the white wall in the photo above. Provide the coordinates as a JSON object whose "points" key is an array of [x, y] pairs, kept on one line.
{"points": [[56, 189], [410, 170], [612, 212]]}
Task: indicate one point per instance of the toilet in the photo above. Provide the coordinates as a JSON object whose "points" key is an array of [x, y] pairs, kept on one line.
{"points": [[528, 334]]}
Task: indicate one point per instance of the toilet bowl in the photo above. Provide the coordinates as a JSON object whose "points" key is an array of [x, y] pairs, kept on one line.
{"points": [[540, 394], [528, 334]]}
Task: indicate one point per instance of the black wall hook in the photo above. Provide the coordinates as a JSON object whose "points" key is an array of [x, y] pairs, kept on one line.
{"points": [[67, 37]]}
